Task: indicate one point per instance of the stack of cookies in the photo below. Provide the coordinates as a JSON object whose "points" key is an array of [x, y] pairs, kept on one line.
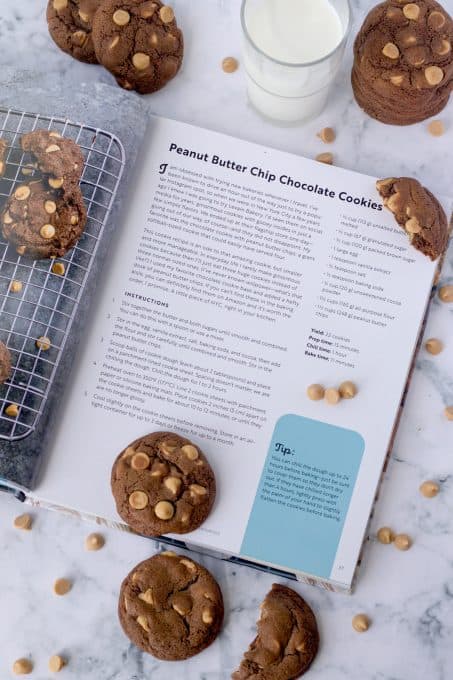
{"points": [[138, 41], [45, 217], [403, 63]]}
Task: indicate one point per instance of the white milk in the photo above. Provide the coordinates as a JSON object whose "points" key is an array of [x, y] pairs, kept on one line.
{"points": [[298, 33]]}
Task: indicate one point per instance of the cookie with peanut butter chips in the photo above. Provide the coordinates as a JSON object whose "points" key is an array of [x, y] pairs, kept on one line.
{"points": [[162, 483], [70, 24], [171, 607]]}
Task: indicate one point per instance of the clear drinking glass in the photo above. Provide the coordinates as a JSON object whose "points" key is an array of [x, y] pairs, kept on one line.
{"points": [[285, 91]]}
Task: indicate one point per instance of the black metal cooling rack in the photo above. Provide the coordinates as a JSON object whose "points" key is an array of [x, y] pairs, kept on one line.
{"points": [[46, 304]]}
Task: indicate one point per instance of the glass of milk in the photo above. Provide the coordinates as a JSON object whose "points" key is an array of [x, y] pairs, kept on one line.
{"points": [[292, 53]]}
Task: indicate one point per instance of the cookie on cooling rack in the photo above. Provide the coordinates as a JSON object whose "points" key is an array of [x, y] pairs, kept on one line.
{"points": [[57, 156], [5, 363], [41, 223], [171, 607], [70, 23]]}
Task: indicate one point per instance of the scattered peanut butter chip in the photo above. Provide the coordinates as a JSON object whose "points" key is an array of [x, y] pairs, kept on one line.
{"points": [[361, 623], [58, 268], [74, 219], [55, 182], [446, 293], [385, 535], [62, 586], [413, 226], [327, 135], [22, 193], [147, 597], [7, 219], [230, 64], [28, 169], [52, 148], [448, 412], [436, 128], [114, 42], [411, 11], [43, 343], [47, 231], [436, 20], [141, 61], [12, 410], [164, 510], [332, 396], [391, 51], [166, 14], [20, 250], [50, 207], [58, 5], [56, 663], [140, 461], [197, 490], [434, 346], [15, 286], [348, 389], [207, 616], [138, 500], [326, 158], [23, 522], [402, 542], [190, 451], [22, 667], [142, 621], [397, 80], [94, 541], [173, 484], [315, 392], [429, 489], [121, 17], [434, 75]]}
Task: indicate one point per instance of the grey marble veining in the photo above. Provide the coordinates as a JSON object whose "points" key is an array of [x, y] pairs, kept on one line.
{"points": [[409, 595]]}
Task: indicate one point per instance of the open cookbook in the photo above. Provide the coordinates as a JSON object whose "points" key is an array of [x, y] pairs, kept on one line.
{"points": [[233, 278]]}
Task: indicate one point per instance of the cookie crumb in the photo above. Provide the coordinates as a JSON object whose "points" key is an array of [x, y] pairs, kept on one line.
{"points": [[62, 586], [361, 623], [434, 346], [402, 542], [446, 293], [385, 535], [436, 128], [16, 286], [22, 667], [12, 410], [58, 268], [429, 489], [56, 663], [23, 522], [326, 158], [327, 135], [230, 65], [94, 542], [315, 392], [43, 343]]}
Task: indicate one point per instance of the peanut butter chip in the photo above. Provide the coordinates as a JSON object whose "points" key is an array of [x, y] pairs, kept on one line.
{"points": [[56, 663], [43, 343], [397, 80], [20, 250], [138, 500], [434, 75], [207, 616], [436, 128], [327, 135], [197, 490], [166, 449], [59, 5], [12, 410], [114, 42], [147, 9], [15, 286], [74, 219], [140, 461], [79, 38], [164, 510], [22, 667], [84, 16], [7, 219], [326, 158], [413, 226], [28, 169], [348, 389], [54, 147], [58, 268], [166, 14], [94, 542], [147, 596], [23, 522], [441, 46], [22, 193], [56, 183], [446, 293], [361, 623], [188, 564], [448, 412], [50, 207], [436, 20], [402, 542], [434, 346], [411, 11], [62, 586], [315, 392], [391, 51], [121, 17], [190, 451], [385, 535], [169, 553], [230, 64], [332, 396], [173, 484], [429, 489], [142, 621], [47, 231], [141, 61]]}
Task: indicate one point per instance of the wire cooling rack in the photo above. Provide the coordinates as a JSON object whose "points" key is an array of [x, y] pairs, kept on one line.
{"points": [[47, 302]]}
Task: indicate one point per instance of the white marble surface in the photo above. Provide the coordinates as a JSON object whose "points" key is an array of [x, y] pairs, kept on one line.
{"points": [[409, 596]]}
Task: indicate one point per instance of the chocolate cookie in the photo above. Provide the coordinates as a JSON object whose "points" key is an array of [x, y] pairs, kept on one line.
{"points": [[57, 156], [3, 151], [418, 212], [5, 363], [70, 25], [139, 42], [42, 223], [287, 640], [163, 484], [171, 607], [403, 61]]}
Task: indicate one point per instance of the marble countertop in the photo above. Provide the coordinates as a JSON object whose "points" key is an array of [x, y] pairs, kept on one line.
{"points": [[408, 595]]}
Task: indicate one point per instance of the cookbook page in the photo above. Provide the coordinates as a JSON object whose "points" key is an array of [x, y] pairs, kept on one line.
{"points": [[241, 276]]}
